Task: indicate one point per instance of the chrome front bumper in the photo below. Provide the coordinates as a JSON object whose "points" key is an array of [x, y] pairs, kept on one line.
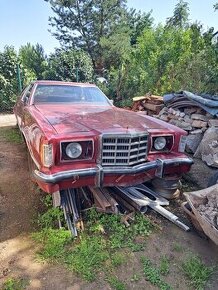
{"points": [[99, 171]]}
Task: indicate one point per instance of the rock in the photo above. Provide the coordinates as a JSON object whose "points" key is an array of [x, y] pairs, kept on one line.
{"points": [[173, 122], [192, 142], [190, 111], [182, 114], [208, 148], [171, 111], [183, 125], [199, 117], [213, 123], [187, 119], [199, 124], [164, 118], [197, 131], [164, 110], [177, 113]]}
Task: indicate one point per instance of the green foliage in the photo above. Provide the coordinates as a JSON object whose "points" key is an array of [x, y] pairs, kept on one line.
{"points": [[180, 15], [104, 38], [8, 78], [135, 278], [68, 65], [11, 135], [95, 248], [88, 256], [81, 24], [152, 274], [33, 61], [164, 265], [116, 283], [197, 272], [53, 243], [117, 259], [51, 216], [119, 235], [177, 247], [15, 284]]}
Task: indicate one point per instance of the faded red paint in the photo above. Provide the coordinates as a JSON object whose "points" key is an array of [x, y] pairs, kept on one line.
{"points": [[53, 123]]}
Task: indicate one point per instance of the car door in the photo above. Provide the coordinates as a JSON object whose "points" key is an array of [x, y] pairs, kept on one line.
{"points": [[22, 103]]}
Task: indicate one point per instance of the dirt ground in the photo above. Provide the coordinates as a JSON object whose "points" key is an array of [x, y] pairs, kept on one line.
{"points": [[19, 206]]}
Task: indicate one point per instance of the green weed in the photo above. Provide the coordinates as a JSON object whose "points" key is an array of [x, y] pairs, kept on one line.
{"points": [[119, 235], [153, 274], [164, 265], [15, 284], [177, 247], [95, 248], [135, 278], [197, 272], [87, 256], [116, 283], [53, 243], [117, 259], [11, 135]]}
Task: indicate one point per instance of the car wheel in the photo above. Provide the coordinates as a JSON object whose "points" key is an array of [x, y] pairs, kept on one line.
{"points": [[213, 180]]}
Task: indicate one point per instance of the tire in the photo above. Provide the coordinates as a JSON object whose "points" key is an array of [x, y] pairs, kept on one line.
{"points": [[213, 180]]}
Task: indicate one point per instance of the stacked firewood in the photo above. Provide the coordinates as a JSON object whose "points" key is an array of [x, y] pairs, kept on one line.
{"points": [[150, 103]]}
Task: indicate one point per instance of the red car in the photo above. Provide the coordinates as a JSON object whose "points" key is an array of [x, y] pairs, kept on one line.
{"points": [[77, 137]]}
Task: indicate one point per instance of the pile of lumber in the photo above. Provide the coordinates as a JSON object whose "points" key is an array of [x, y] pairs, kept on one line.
{"points": [[151, 104]]}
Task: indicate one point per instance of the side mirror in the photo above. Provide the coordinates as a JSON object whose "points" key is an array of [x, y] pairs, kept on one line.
{"points": [[25, 100], [111, 101]]}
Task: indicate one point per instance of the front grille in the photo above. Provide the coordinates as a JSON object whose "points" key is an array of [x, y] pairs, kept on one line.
{"points": [[124, 149]]}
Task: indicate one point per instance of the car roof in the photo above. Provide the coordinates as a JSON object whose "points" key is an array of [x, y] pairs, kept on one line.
{"points": [[49, 82]]}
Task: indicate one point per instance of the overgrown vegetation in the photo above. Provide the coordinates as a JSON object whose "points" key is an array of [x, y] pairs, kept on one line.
{"points": [[197, 272], [15, 284], [153, 274], [11, 135], [106, 244], [106, 39], [96, 247]]}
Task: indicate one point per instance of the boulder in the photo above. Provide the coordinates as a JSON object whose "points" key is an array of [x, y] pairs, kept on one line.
{"points": [[199, 117], [192, 142], [208, 148], [213, 123], [199, 124]]}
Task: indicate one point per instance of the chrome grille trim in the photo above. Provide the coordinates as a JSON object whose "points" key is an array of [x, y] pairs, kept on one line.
{"points": [[124, 149]]}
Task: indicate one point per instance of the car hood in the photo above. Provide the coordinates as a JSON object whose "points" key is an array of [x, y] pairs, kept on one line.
{"points": [[103, 119]]}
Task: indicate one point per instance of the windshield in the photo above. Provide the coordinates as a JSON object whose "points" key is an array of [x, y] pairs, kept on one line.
{"points": [[68, 94]]}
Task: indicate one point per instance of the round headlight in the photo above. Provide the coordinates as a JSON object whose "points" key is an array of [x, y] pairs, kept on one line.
{"points": [[160, 143], [73, 150]]}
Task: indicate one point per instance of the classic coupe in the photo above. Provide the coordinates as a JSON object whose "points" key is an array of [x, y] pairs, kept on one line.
{"points": [[76, 137]]}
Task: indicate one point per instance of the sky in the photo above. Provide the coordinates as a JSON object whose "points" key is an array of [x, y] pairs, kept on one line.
{"points": [[23, 21]]}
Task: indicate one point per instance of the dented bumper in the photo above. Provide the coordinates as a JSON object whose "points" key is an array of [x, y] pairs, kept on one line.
{"points": [[100, 172]]}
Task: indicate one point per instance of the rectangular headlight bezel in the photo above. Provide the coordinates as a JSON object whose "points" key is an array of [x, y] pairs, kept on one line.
{"points": [[87, 150], [167, 148]]}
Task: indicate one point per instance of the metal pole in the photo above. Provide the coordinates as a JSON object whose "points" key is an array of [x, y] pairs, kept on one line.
{"points": [[77, 74], [19, 79]]}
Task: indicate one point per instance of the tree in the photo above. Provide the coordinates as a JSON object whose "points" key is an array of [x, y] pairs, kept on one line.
{"points": [[138, 22], [180, 15], [8, 77], [82, 24], [69, 65], [33, 60]]}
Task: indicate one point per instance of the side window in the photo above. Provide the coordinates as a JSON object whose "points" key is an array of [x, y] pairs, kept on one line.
{"points": [[26, 94]]}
